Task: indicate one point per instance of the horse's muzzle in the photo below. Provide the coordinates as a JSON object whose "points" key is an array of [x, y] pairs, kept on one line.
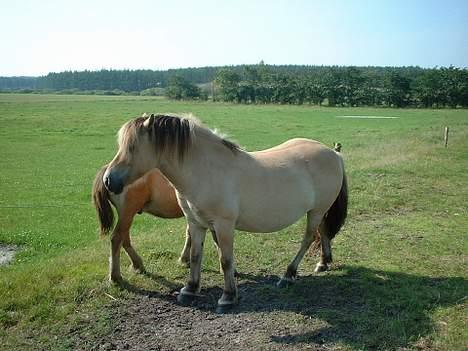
{"points": [[113, 183]]}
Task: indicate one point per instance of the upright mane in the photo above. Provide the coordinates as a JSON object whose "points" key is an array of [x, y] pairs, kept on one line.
{"points": [[169, 133]]}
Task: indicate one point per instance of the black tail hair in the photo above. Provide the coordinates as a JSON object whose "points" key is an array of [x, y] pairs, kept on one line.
{"points": [[101, 201], [336, 215]]}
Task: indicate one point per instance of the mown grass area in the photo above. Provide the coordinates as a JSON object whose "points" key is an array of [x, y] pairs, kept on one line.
{"points": [[400, 274]]}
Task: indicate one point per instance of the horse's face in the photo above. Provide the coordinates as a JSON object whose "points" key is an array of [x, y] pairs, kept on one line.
{"points": [[135, 156]]}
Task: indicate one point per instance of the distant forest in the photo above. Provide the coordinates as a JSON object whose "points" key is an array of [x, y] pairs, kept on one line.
{"points": [[261, 83]]}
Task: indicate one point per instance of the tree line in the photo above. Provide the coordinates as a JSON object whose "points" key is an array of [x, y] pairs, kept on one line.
{"points": [[283, 84], [346, 86]]}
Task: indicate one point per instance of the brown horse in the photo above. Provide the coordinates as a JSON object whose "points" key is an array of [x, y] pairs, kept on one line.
{"points": [[152, 193], [222, 187]]}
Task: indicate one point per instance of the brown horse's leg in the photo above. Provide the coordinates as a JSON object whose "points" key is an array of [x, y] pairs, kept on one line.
{"points": [[184, 258], [225, 240], [114, 259], [135, 198], [137, 262], [326, 254], [126, 221], [313, 221]]}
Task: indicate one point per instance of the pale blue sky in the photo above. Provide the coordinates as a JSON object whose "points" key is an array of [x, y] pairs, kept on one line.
{"points": [[37, 37]]}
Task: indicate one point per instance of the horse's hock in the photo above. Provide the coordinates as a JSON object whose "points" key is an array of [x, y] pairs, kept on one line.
{"points": [[7, 253]]}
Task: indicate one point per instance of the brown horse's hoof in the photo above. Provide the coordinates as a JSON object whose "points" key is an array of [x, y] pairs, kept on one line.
{"points": [[139, 270], [115, 280], [321, 268]]}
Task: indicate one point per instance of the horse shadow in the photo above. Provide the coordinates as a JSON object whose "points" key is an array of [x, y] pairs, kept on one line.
{"points": [[360, 307]]}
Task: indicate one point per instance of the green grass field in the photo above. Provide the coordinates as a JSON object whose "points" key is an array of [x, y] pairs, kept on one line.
{"points": [[401, 259]]}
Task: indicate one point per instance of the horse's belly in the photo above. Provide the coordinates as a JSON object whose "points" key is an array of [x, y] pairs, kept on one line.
{"points": [[268, 226], [271, 215]]}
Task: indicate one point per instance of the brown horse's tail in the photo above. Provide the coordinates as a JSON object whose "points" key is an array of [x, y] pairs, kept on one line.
{"points": [[336, 215], [101, 201]]}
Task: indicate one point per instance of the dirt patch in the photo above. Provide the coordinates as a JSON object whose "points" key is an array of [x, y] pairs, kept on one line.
{"points": [[154, 321], [7, 253], [347, 309]]}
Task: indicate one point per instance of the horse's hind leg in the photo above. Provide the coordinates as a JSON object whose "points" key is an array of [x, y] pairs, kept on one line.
{"points": [[326, 253], [313, 221], [114, 259], [184, 258], [137, 262], [125, 222]]}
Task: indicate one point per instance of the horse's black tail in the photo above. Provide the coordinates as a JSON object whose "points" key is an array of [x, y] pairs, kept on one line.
{"points": [[336, 215], [101, 202]]}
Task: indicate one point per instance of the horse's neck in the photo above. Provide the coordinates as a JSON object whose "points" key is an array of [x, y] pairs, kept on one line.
{"points": [[205, 151]]}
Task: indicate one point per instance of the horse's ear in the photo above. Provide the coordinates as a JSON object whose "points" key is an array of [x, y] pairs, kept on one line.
{"points": [[149, 121]]}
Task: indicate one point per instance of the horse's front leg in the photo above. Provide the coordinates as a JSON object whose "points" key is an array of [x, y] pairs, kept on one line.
{"points": [[225, 240], [192, 288], [184, 258]]}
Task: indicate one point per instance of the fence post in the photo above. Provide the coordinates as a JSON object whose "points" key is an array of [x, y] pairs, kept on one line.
{"points": [[446, 135]]}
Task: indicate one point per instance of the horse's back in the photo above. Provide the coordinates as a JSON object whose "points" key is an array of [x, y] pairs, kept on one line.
{"points": [[301, 154]]}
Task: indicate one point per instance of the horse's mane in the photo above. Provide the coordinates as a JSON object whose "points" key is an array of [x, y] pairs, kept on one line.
{"points": [[170, 133]]}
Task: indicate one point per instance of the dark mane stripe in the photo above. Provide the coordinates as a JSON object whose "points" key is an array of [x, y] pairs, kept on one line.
{"points": [[173, 134], [230, 145], [170, 133]]}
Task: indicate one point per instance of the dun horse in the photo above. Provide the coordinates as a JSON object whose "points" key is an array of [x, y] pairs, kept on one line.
{"points": [[222, 187], [151, 193]]}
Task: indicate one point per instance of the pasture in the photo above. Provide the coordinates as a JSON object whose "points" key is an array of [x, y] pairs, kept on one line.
{"points": [[400, 275]]}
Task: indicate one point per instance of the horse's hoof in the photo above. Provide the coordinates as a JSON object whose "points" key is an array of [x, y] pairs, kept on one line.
{"points": [[222, 309], [115, 280], [139, 270], [285, 282], [320, 268], [185, 300]]}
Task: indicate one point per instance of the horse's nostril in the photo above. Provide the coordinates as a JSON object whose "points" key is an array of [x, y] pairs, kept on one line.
{"points": [[106, 181]]}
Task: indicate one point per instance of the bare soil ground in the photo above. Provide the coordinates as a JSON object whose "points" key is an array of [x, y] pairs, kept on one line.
{"points": [[7, 253], [348, 308], [262, 321]]}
